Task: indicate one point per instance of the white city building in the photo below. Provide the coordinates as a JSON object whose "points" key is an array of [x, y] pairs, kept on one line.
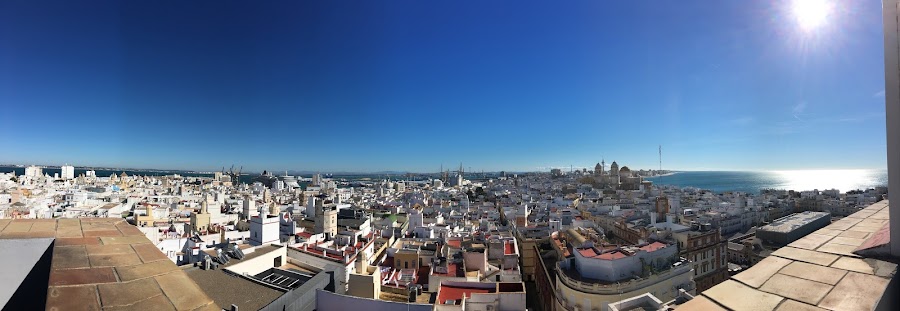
{"points": [[67, 172]]}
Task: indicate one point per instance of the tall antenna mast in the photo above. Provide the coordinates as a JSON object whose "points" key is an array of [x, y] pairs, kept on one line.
{"points": [[660, 157]]}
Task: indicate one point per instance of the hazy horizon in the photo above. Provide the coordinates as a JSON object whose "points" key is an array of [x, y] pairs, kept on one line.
{"points": [[452, 169]]}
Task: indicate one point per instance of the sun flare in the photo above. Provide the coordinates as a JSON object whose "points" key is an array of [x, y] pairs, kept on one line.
{"points": [[811, 14]]}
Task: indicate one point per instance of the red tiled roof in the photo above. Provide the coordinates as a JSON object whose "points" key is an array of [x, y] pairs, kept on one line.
{"points": [[587, 252], [653, 246], [456, 293], [612, 255], [509, 248], [453, 269]]}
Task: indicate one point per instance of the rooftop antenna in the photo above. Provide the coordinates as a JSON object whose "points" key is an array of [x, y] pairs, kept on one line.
{"points": [[660, 157]]}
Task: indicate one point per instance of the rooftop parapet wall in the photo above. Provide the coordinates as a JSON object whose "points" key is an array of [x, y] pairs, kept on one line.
{"points": [[567, 277]]}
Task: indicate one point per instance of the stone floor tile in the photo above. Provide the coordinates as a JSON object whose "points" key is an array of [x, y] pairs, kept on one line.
{"points": [[840, 249], [814, 272], [114, 260], [851, 221], [69, 257], [865, 228], [809, 256], [855, 291], [854, 234], [759, 273], [27, 235], [810, 241], [853, 264], [37, 220], [3, 223], [128, 293], [699, 303], [149, 252], [125, 240], [76, 241], [828, 232], [840, 226], [796, 288], [82, 276], [98, 227], [102, 233], [847, 241], [69, 233], [182, 291], [872, 222], [793, 305], [739, 297], [17, 226], [109, 249], [68, 223], [129, 230], [880, 215], [43, 226], [128, 273], [63, 298], [155, 303]]}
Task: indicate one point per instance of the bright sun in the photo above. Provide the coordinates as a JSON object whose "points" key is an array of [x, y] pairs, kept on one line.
{"points": [[811, 14]]}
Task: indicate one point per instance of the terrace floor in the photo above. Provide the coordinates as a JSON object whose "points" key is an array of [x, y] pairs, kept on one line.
{"points": [[817, 272], [108, 264]]}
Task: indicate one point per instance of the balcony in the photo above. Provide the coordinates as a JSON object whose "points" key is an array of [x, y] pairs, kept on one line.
{"points": [[821, 270]]}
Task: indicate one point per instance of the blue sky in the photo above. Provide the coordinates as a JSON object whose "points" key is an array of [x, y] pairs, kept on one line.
{"points": [[409, 85]]}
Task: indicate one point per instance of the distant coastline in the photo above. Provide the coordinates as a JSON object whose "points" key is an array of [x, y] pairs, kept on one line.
{"points": [[664, 175], [754, 182]]}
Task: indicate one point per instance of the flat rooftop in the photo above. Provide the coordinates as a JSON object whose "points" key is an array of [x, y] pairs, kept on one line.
{"points": [[820, 271], [107, 263], [227, 289], [792, 222]]}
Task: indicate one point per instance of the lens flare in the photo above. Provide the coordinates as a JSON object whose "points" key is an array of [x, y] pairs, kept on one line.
{"points": [[811, 14]]}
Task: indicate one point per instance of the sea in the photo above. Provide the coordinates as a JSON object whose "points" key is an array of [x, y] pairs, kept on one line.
{"points": [[753, 182]]}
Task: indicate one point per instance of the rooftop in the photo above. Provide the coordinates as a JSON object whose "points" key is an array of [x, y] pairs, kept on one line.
{"points": [[455, 293], [230, 289], [108, 263], [817, 272], [789, 223]]}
